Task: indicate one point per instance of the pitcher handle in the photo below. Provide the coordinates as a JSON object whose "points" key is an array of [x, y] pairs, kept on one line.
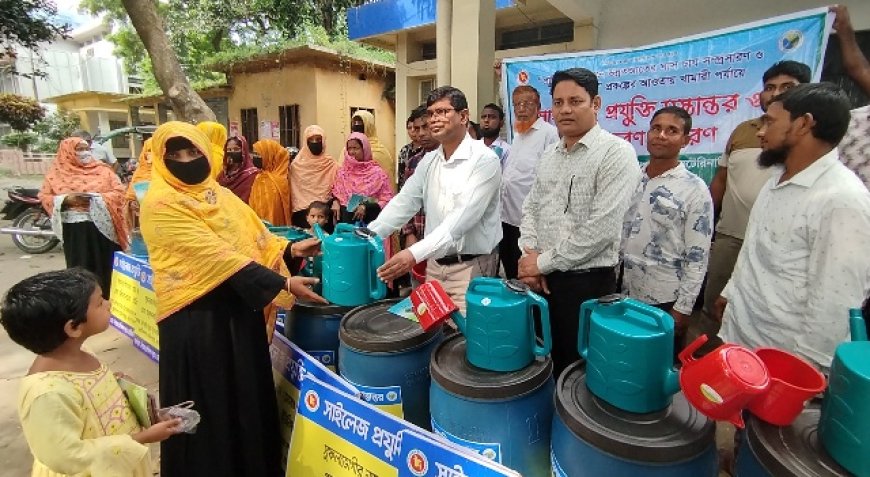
{"points": [[541, 304], [687, 352], [659, 316], [377, 287], [318, 232], [585, 324], [857, 326]]}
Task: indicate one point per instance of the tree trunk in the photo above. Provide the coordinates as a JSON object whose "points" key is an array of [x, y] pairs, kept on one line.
{"points": [[186, 103]]}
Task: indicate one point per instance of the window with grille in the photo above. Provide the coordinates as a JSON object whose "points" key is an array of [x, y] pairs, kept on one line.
{"points": [[288, 117], [250, 125]]}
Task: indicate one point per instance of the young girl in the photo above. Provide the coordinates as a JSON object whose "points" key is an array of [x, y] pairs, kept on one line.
{"points": [[75, 417], [360, 175]]}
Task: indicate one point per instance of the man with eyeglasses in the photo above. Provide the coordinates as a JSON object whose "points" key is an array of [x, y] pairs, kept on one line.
{"points": [[532, 136], [572, 218], [457, 185], [667, 230]]}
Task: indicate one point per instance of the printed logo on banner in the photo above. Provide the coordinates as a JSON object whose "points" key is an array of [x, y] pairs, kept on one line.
{"points": [[791, 40], [417, 463], [312, 401], [523, 77]]}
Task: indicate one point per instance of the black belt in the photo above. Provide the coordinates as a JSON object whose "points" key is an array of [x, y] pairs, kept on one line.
{"points": [[585, 271], [454, 259]]}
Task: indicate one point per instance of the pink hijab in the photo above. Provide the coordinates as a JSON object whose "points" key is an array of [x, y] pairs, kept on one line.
{"points": [[239, 178], [364, 177]]}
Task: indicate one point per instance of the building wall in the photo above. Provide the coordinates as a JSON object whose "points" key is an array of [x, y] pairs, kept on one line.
{"points": [[324, 96], [337, 93], [268, 90]]}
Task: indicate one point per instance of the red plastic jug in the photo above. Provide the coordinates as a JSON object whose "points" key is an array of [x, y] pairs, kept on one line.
{"points": [[723, 383], [793, 381]]}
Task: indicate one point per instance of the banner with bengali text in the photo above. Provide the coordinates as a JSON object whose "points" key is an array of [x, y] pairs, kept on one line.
{"points": [[134, 303], [715, 76], [338, 435], [289, 364]]}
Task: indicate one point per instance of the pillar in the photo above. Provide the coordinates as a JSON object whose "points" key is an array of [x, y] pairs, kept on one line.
{"points": [[473, 52], [443, 27]]}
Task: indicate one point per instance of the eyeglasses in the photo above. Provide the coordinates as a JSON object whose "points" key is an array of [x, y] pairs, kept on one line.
{"points": [[525, 104], [438, 113]]}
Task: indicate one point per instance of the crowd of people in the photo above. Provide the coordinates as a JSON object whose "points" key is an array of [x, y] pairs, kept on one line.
{"points": [[778, 238]]}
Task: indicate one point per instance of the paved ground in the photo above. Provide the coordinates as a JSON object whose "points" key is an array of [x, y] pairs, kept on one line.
{"points": [[113, 348]]}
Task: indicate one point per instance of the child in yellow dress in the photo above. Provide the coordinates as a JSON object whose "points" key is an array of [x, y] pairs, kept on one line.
{"points": [[75, 417]]}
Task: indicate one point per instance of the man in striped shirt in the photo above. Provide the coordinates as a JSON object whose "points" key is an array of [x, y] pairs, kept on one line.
{"points": [[572, 218]]}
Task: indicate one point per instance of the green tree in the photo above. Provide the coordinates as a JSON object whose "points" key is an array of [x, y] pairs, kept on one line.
{"points": [[20, 112], [27, 23], [54, 128]]}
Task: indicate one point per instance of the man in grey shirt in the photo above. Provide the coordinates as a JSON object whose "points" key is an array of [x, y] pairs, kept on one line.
{"points": [[572, 218], [97, 150]]}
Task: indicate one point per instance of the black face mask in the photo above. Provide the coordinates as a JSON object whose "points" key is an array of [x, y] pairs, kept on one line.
{"points": [[235, 157], [192, 172], [316, 148], [257, 160], [360, 128]]}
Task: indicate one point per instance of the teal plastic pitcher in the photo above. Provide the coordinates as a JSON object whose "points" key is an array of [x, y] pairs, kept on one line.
{"points": [[351, 257], [629, 351], [499, 324], [844, 427]]}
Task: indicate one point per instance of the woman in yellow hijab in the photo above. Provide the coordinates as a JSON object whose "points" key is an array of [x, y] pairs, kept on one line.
{"points": [[270, 194], [217, 270], [217, 136], [364, 122]]}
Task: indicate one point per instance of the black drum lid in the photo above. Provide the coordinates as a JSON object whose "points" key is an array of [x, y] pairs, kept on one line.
{"points": [[793, 450], [452, 371], [374, 329], [307, 308], [675, 434]]}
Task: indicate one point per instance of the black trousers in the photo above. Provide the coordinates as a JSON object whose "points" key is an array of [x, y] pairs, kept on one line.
{"points": [[509, 251], [568, 290]]}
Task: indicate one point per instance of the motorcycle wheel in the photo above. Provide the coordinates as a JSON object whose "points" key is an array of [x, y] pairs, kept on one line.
{"points": [[33, 218]]}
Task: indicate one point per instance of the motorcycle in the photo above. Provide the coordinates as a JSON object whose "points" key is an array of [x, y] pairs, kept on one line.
{"points": [[31, 226]]}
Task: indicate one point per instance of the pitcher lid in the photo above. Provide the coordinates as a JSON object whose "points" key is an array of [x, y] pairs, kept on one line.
{"points": [[309, 308], [373, 328], [452, 371], [676, 433], [516, 286], [792, 450], [746, 366]]}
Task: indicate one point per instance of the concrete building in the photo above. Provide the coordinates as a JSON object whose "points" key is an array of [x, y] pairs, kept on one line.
{"points": [[81, 75], [278, 95], [460, 42]]}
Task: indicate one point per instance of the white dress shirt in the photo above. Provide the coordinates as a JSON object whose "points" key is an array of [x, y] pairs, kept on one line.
{"points": [[459, 197], [666, 239], [574, 212], [803, 264], [520, 166]]}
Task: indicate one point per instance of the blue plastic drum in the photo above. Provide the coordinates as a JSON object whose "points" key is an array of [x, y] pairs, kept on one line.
{"points": [[386, 357], [772, 451], [592, 438], [314, 328], [505, 416]]}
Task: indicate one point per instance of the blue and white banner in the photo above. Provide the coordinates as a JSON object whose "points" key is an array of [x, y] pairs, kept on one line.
{"points": [[715, 76], [339, 435]]}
